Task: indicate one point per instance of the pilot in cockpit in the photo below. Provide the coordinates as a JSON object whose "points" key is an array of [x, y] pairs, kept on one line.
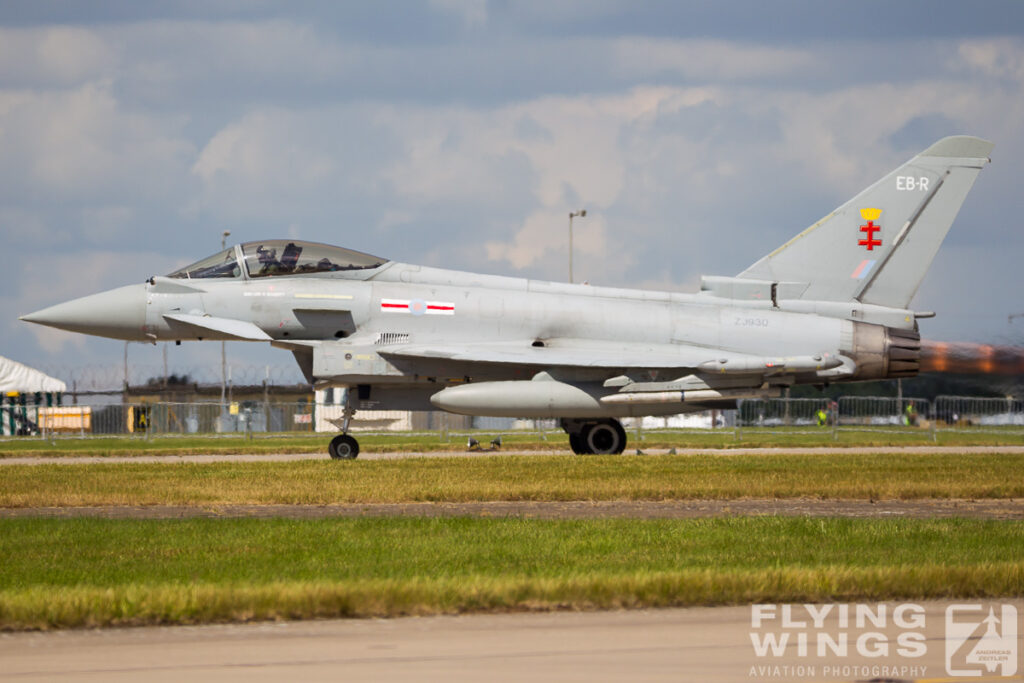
{"points": [[268, 260], [290, 257]]}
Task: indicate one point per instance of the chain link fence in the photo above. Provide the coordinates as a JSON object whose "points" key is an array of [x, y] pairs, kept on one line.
{"points": [[250, 417], [176, 419], [766, 416]]}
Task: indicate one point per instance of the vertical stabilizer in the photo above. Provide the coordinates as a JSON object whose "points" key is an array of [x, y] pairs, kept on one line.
{"points": [[877, 247]]}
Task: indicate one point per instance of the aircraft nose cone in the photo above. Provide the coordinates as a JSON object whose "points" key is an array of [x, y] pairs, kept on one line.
{"points": [[118, 313]]}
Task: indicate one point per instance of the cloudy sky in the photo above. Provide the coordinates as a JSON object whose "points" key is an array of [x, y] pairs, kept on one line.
{"points": [[460, 133]]}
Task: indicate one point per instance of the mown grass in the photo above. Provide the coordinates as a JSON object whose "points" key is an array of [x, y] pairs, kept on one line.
{"points": [[90, 572], [518, 478], [69, 446]]}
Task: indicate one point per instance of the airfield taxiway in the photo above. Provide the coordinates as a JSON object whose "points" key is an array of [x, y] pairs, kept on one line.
{"points": [[290, 457], [711, 644]]}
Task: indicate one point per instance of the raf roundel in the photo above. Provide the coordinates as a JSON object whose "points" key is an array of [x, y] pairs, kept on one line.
{"points": [[417, 307]]}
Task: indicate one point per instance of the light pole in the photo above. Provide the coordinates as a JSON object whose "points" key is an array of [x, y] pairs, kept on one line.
{"points": [[582, 214], [223, 345]]}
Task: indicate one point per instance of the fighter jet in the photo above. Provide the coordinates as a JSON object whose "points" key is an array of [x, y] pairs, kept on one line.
{"points": [[830, 305]]}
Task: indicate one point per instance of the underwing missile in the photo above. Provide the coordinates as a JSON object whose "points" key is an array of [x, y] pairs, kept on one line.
{"points": [[743, 366], [693, 396]]}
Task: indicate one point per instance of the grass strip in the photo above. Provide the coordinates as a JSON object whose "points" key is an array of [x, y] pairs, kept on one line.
{"points": [[69, 446], [87, 572], [534, 478], [89, 607]]}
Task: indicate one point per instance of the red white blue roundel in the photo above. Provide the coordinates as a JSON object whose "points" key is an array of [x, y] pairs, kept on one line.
{"points": [[417, 307]]}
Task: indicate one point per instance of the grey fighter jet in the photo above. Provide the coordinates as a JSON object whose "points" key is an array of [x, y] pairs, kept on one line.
{"points": [[830, 305]]}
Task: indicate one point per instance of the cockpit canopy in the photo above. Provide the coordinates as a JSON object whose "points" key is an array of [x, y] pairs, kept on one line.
{"points": [[270, 258]]}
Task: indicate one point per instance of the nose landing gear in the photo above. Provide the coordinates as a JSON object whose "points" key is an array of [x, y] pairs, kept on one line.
{"points": [[344, 446]]}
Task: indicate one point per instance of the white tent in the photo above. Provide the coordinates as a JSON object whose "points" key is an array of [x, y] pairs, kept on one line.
{"points": [[20, 378]]}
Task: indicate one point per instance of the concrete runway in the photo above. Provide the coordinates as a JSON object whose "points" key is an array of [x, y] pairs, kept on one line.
{"points": [[697, 644]]}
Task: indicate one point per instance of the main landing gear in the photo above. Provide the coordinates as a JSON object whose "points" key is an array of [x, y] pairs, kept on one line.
{"points": [[595, 437]]}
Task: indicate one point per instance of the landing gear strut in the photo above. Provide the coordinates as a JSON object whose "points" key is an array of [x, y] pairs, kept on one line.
{"points": [[344, 446], [595, 437]]}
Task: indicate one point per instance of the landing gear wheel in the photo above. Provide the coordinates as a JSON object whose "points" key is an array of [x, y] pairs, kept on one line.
{"points": [[600, 437], [604, 438], [577, 445], [343, 447]]}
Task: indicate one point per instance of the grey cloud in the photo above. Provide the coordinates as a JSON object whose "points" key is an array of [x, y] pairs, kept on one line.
{"points": [[466, 148], [53, 56], [79, 143]]}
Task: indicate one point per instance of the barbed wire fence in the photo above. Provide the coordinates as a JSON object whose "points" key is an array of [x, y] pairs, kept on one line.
{"points": [[112, 378]]}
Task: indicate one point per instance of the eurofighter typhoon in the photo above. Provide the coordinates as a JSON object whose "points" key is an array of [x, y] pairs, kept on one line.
{"points": [[830, 305]]}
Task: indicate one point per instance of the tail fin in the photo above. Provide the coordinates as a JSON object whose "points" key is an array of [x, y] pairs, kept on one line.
{"points": [[877, 247]]}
